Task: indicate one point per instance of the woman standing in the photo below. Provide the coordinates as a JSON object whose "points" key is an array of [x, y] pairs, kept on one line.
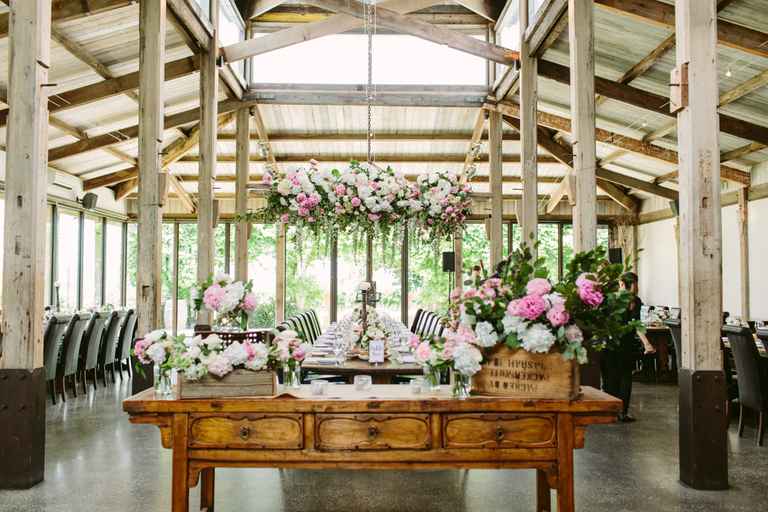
{"points": [[618, 359]]}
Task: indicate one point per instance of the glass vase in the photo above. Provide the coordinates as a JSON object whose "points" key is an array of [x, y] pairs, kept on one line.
{"points": [[432, 378], [292, 376], [162, 382], [462, 385]]}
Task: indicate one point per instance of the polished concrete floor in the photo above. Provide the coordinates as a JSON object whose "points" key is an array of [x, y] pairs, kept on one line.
{"points": [[96, 461]]}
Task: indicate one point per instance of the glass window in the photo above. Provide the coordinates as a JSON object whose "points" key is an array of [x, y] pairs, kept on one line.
{"points": [[231, 31], [262, 269], [548, 241], [476, 248], [48, 254], [205, 8], [114, 267], [92, 260], [166, 271], [187, 275], [67, 248], [132, 264], [428, 285], [567, 245], [308, 277], [603, 236], [387, 274], [351, 272], [220, 248], [425, 63]]}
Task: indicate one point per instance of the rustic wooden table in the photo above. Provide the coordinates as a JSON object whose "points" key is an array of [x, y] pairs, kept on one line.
{"points": [[387, 427], [380, 373]]}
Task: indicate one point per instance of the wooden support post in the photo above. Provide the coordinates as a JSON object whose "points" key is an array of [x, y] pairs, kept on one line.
{"points": [[744, 251], [334, 241], [703, 424], [496, 172], [369, 258], [22, 388], [582, 71], [209, 92], [241, 193], [404, 263], [151, 112], [280, 281], [528, 131]]}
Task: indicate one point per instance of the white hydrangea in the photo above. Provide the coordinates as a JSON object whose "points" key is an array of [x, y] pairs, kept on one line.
{"points": [[513, 324], [236, 353], [156, 352], [156, 335], [219, 365], [538, 338], [195, 372], [284, 187], [213, 342], [193, 352], [466, 359], [486, 334]]}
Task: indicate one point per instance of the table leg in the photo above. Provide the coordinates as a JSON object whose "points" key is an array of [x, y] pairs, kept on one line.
{"points": [[381, 379], [543, 494], [565, 445], [180, 479], [207, 484]]}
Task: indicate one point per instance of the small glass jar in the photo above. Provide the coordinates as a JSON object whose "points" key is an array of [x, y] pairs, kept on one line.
{"points": [[162, 382], [432, 378], [292, 376], [462, 386]]}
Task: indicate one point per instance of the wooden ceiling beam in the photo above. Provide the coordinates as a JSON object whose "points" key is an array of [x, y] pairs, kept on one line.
{"points": [[549, 23], [256, 178], [191, 20], [728, 34], [652, 102], [474, 142], [393, 158], [361, 136], [485, 8], [66, 10], [259, 7]]}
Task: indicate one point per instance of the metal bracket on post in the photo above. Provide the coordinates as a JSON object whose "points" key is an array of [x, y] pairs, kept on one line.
{"points": [[678, 88]]}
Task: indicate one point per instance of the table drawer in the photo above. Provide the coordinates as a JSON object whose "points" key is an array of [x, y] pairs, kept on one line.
{"points": [[373, 432], [498, 430], [262, 431]]}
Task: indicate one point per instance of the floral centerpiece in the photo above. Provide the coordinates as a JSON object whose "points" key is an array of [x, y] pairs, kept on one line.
{"points": [[197, 356], [291, 350], [232, 301], [521, 311], [356, 336], [445, 203], [457, 351]]}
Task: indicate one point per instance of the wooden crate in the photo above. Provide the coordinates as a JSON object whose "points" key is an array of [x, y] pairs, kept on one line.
{"points": [[235, 384], [521, 374]]}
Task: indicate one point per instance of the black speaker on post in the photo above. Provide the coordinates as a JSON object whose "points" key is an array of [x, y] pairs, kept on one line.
{"points": [[615, 255], [449, 262]]}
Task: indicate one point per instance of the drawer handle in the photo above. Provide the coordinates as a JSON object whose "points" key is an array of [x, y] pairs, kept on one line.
{"points": [[373, 431], [500, 434], [245, 432]]}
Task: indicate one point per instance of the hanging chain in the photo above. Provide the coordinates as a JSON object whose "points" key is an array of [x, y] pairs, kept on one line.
{"points": [[370, 91]]}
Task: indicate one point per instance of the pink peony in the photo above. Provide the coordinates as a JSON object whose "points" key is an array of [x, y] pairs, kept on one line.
{"points": [[529, 307], [219, 365], [340, 189], [590, 295], [538, 286], [558, 316], [303, 212], [284, 218], [374, 217], [414, 341], [299, 354], [355, 201], [423, 352], [249, 302], [140, 348], [213, 296]]}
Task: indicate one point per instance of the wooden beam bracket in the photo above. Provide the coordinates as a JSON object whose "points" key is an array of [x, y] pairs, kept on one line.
{"points": [[678, 88]]}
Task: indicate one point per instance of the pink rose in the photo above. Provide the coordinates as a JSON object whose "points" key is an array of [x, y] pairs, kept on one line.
{"points": [[538, 286], [529, 307], [249, 302], [303, 212], [299, 354], [414, 341], [374, 217], [355, 201], [448, 350], [284, 218], [558, 316], [340, 189]]}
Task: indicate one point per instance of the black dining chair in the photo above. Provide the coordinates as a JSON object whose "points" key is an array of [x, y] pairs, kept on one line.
{"points": [[677, 336], [91, 346], [416, 319], [109, 346], [70, 363], [752, 376], [53, 339], [125, 344]]}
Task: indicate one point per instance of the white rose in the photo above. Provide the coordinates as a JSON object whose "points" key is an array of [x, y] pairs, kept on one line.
{"points": [[486, 334], [221, 277], [364, 192], [284, 187], [538, 338]]}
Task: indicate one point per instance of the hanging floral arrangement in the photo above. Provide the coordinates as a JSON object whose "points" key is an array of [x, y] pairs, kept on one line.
{"points": [[445, 204]]}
